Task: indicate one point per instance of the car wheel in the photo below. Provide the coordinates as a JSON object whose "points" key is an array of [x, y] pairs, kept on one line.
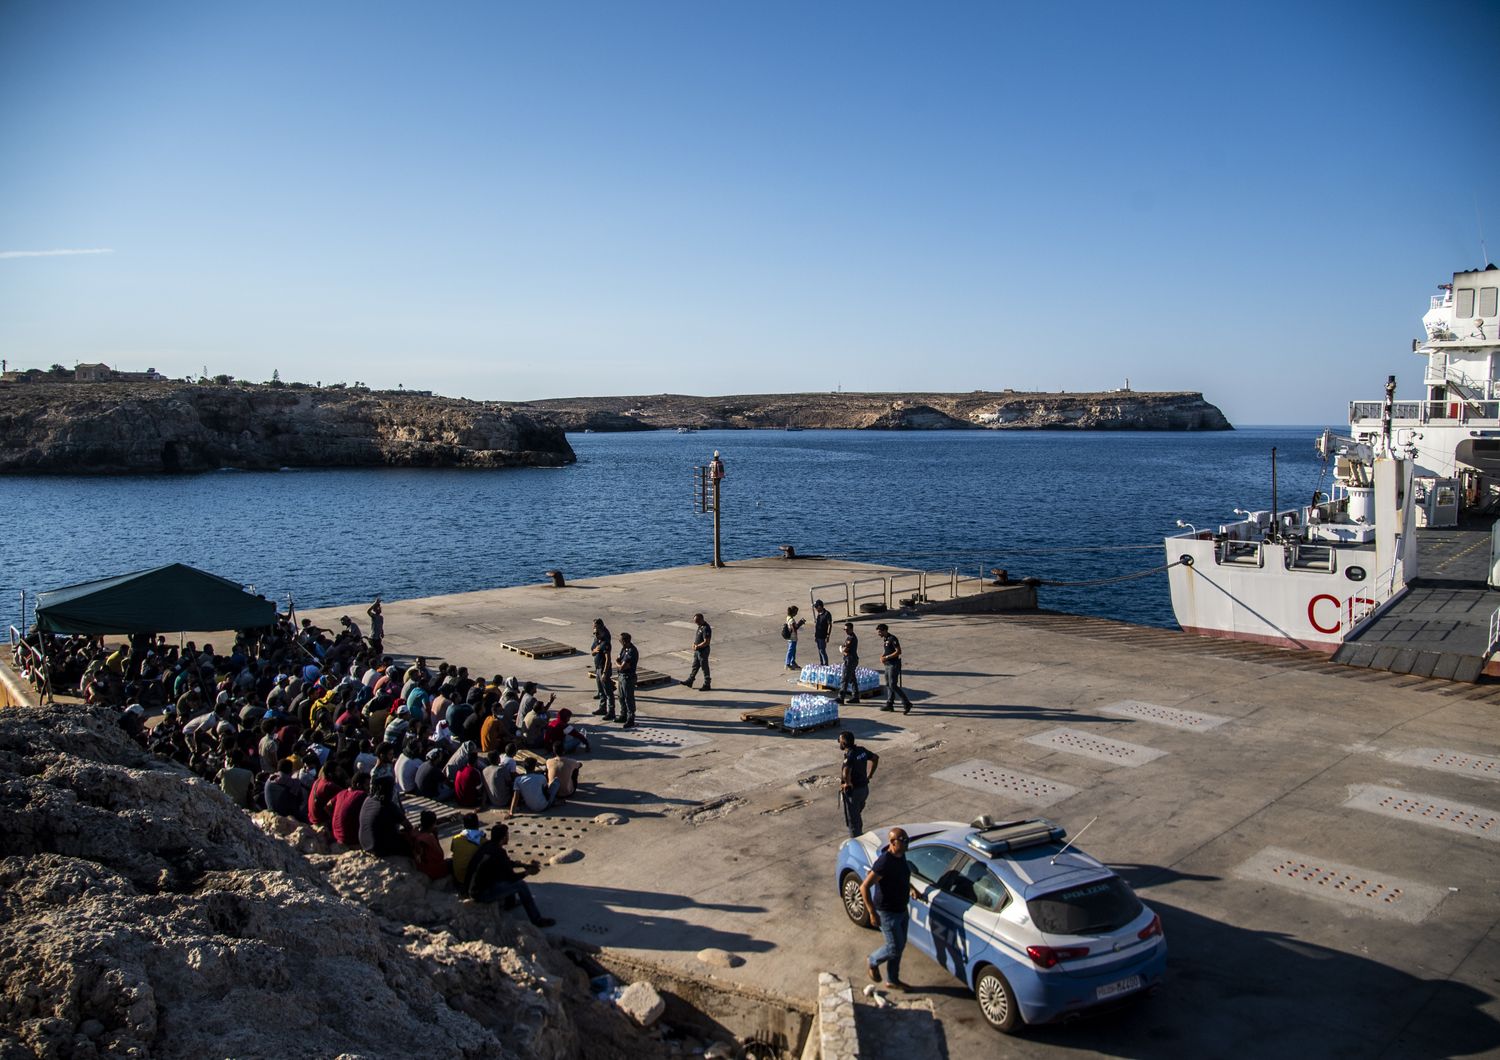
{"points": [[854, 901], [997, 1001]]}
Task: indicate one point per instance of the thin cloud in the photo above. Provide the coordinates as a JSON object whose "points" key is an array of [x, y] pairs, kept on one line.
{"points": [[51, 253]]}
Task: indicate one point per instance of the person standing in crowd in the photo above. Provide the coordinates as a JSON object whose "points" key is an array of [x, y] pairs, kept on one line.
{"points": [[701, 641], [890, 655], [629, 658], [600, 651], [890, 877], [849, 682], [377, 627], [854, 781], [789, 634], [822, 630]]}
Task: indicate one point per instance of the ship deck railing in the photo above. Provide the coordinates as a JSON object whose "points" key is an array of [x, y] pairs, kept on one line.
{"points": [[1455, 410]]}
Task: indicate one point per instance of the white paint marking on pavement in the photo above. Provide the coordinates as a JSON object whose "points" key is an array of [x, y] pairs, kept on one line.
{"points": [[1078, 742], [1191, 720], [680, 624], [994, 780], [553, 621], [1483, 766], [1348, 885], [1431, 810]]}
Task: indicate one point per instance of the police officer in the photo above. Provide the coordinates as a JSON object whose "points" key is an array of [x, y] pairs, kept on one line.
{"points": [[627, 660], [604, 683], [701, 641], [890, 655], [849, 683]]}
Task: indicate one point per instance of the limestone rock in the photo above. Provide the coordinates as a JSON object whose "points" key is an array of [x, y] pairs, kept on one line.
{"points": [[720, 958], [564, 857], [156, 427], [642, 1003], [131, 890], [610, 818]]}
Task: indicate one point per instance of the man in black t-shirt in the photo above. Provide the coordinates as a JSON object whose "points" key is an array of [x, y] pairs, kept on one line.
{"points": [[890, 878], [854, 782], [701, 643], [822, 630], [492, 875], [849, 683]]}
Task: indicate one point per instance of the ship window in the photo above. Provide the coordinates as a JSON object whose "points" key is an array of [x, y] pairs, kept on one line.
{"points": [[1465, 302], [1487, 300]]}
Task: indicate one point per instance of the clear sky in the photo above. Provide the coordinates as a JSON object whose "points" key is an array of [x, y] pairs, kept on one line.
{"points": [[511, 201]]}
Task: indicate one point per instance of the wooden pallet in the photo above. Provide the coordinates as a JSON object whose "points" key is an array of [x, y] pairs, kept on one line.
{"points": [[833, 690], [540, 648], [645, 678], [449, 818], [775, 718]]}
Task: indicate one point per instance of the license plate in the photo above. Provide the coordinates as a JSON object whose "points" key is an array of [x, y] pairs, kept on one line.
{"points": [[1124, 986]]}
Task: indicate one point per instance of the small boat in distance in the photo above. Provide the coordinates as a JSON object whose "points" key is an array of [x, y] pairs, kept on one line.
{"points": [[687, 430]]}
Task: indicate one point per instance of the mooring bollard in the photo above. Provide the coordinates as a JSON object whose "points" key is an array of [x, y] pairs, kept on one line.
{"points": [[557, 579], [788, 551]]}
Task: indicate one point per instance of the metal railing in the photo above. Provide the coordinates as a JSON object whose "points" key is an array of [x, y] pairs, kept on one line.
{"points": [[1362, 609], [895, 581], [859, 591], [1454, 410], [1494, 633], [816, 593], [32, 662]]}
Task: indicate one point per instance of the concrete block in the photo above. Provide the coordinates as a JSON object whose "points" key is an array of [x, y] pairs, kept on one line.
{"points": [[642, 1003]]}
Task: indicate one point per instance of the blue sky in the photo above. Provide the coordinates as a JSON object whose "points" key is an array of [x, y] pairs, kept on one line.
{"points": [[519, 201]]}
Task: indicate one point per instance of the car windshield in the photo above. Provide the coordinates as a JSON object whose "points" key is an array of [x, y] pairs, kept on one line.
{"points": [[1091, 908]]}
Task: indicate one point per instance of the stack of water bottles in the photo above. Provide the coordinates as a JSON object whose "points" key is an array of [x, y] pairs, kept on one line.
{"points": [[832, 676], [807, 711]]}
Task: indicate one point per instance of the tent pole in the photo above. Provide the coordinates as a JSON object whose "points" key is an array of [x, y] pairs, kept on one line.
{"points": [[47, 698]]}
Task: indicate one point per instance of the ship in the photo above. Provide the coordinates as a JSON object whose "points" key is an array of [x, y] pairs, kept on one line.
{"points": [[1317, 576]]}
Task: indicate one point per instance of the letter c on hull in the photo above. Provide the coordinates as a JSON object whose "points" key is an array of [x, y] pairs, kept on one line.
{"points": [[1312, 616]]}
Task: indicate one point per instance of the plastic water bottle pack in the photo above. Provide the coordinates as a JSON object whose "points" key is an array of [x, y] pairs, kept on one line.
{"points": [[831, 676], [806, 711]]}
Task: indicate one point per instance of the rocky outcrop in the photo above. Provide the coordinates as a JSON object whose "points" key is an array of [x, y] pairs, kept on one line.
{"points": [[146, 916], [1006, 410], [86, 428]]}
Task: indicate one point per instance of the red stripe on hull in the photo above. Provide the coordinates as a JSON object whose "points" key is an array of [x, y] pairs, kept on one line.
{"points": [[1327, 647]]}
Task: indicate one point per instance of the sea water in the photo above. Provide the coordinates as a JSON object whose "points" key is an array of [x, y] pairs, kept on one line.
{"points": [[1086, 507]]}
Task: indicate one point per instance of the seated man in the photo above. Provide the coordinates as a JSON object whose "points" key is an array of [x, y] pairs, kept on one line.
{"points": [[493, 876], [498, 774], [462, 848], [426, 851], [564, 773], [533, 789], [284, 793]]}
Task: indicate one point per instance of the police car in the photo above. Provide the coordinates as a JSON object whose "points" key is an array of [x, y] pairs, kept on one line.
{"points": [[1036, 928]]}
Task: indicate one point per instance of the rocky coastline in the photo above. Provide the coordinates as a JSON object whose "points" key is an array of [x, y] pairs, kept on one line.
{"points": [[147, 427], [1120, 410], [164, 427]]}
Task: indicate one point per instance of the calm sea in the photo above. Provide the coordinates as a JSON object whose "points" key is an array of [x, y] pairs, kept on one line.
{"points": [[1061, 506]]}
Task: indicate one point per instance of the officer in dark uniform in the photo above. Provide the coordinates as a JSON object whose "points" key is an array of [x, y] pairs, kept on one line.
{"points": [[604, 683], [849, 683], [701, 642], [629, 658], [890, 655]]}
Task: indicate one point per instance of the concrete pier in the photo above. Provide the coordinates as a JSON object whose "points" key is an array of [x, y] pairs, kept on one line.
{"points": [[1323, 844]]}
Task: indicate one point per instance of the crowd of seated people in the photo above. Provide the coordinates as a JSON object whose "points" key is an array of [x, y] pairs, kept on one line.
{"points": [[318, 727]]}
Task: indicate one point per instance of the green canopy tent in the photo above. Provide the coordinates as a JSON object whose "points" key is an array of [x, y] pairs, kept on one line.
{"points": [[169, 599]]}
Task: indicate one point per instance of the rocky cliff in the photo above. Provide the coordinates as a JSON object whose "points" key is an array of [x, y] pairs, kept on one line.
{"points": [[1005, 410], [147, 916], [153, 427]]}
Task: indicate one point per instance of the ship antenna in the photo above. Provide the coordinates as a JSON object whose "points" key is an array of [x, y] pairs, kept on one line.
{"points": [[1484, 251], [1071, 841]]}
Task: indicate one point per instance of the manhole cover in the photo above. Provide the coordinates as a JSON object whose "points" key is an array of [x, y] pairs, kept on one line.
{"points": [[1348, 885], [1170, 716], [1077, 742], [483, 627], [995, 780], [1426, 809], [1452, 762]]}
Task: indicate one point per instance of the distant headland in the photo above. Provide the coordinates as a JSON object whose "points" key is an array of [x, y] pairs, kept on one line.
{"points": [[1113, 410], [143, 423]]}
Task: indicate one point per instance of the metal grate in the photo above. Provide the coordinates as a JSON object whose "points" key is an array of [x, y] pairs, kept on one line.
{"points": [[1350, 886], [1451, 762], [542, 837], [1075, 741], [1190, 720], [1427, 809], [483, 627], [666, 739], [994, 780]]}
